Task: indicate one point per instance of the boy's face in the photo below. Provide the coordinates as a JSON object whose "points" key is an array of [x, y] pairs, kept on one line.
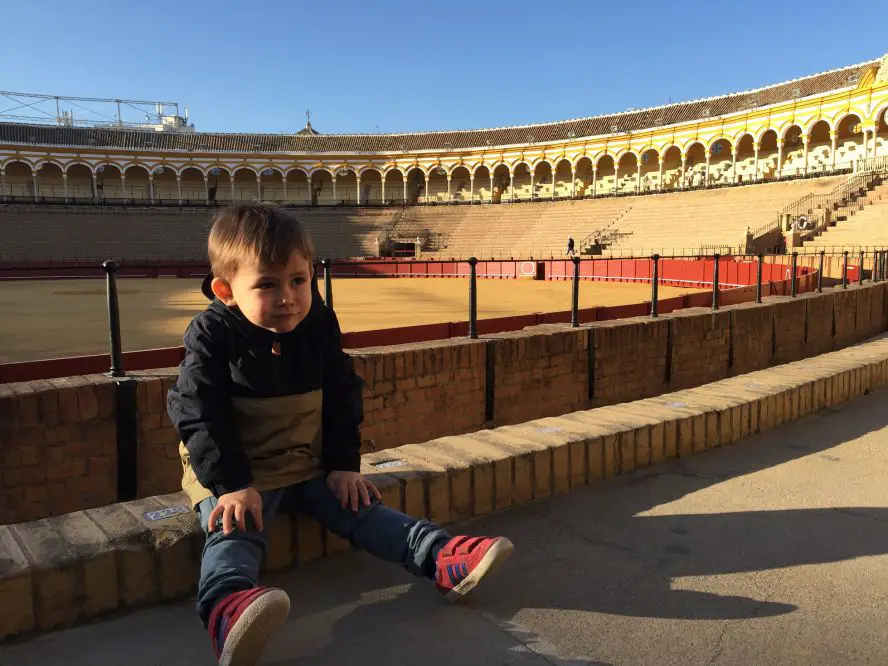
{"points": [[276, 299]]}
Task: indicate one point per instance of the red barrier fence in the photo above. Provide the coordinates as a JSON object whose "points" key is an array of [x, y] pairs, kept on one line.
{"points": [[737, 278]]}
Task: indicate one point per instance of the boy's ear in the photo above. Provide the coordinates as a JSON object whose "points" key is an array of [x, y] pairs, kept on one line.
{"points": [[222, 289]]}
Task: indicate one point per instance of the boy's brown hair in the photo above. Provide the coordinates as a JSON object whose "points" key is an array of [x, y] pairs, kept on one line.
{"points": [[258, 232]]}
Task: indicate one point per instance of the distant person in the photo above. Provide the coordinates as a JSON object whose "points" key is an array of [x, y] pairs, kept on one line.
{"points": [[269, 408], [570, 247]]}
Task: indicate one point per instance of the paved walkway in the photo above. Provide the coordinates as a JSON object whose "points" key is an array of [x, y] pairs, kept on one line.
{"points": [[772, 551]]}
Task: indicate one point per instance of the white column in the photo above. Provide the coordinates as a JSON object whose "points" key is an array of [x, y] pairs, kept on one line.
{"points": [[34, 182], [834, 137], [231, 180], [382, 189], [594, 178], [259, 186], [573, 181], [755, 157], [638, 178], [779, 157], [805, 148], [491, 188], [95, 187], [2, 182], [179, 187], [65, 184], [734, 164], [684, 174], [150, 186], [554, 170], [660, 173], [284, 181], [404, 181], [532, 183], [334, 187], [471, 187], [206, 189], [123, 186], [708, 162], [449, 196], [358, 183]]}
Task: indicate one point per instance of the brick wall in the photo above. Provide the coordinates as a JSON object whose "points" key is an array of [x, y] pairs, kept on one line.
{"points": [[58, 438], [539, 372], [58, 442], [630, 359], [421, 391]]}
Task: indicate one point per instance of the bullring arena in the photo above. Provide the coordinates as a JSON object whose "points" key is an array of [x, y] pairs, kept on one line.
{"points": [[683, 426]]}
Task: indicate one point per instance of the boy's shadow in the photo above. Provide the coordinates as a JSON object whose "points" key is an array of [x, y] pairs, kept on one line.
{"points": [[594, 551]]}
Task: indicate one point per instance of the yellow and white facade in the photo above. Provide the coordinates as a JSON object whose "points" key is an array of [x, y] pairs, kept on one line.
{"points": [[819, 123]]}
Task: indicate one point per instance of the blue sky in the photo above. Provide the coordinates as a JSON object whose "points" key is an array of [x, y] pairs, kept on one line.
{"points": [[397, 66]]}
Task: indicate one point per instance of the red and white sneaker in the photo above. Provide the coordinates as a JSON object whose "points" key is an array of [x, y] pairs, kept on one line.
{"points": [[242, 623], [464, 561]]}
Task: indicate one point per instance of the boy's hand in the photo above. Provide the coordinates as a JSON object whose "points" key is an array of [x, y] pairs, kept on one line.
{"points": [[350, 488], [233, 507]]}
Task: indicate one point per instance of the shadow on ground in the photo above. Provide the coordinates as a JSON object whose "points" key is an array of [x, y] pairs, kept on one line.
{"points": [[615, 549]]}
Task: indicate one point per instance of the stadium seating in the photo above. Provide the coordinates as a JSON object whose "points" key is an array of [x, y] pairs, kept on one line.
{"points": [[866, 226]]}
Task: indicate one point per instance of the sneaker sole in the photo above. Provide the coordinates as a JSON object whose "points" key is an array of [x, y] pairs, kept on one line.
{"points": [[254, 628], [499, 552]]}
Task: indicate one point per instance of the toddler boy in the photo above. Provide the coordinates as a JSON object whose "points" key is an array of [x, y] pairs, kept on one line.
{"points": [[268, 408]]}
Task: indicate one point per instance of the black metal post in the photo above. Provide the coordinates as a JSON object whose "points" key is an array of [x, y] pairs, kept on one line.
{"points": [[882, 256], [328, 283], [845, 270], [575, 296], [795, 281], [820, 273], [716, 257], [860, 276], [110, 268], [758, 280], [473, 298], [655, 279]]}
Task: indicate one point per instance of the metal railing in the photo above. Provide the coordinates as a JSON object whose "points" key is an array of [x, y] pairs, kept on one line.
{"points": [[792, 275]]}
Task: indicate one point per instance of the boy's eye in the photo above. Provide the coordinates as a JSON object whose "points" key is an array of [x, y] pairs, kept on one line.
{"points": [[265, 285], [299, 280]]}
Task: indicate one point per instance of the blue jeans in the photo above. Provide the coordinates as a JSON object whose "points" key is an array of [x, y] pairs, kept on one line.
{"points": [[231, 563]]}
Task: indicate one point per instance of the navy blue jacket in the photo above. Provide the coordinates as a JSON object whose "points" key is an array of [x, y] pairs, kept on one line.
{"points": [[227, 356]]}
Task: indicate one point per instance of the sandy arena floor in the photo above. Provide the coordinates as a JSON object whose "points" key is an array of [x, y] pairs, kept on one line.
{"points": [[50, 319]]}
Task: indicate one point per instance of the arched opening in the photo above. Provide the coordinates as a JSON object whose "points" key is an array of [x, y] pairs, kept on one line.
{"points": [[650, 170], [672, 176], [246, 186], [793, 152], [437, 185], [767, 155], [220, 186], [19, 180], [109, 183], [371, 187], [50, 183], [346, 186], [136, 184], [461, 184], [482, 190], [271, 185], [881, 149], [745, 163], [695, 165], [721, 159], [605, 175], [297, 189], [627, 173], [80, 182], [583, 175], [543, 181], [849, 141], [563, 179], [416, 185], [502, 183], [194, 189], [521, 182], [322, 188], [166, 187], [394, 187], [819, 147]]}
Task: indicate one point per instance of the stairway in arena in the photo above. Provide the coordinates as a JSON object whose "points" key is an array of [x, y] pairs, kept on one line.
{"points": [[866, 225]]}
